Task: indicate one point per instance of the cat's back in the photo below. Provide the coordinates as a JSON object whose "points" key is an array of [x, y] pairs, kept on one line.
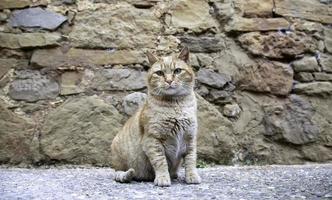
{"points": [[132, 126], [129, 135]]}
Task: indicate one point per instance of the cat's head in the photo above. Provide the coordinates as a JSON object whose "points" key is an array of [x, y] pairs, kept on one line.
{"points": [[170, 76]]}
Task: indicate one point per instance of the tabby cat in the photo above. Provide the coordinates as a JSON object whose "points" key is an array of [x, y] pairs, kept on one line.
{"points": [[153, 141]]}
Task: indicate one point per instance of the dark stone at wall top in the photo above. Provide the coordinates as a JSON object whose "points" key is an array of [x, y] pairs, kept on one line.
{"points": [[36, 18]]}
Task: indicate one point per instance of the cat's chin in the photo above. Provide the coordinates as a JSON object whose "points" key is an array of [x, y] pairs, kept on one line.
{"points": [[174, 92], [170, 92]]}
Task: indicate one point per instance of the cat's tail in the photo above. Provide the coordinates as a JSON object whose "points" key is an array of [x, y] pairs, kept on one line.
{"points": [[124, 177]]}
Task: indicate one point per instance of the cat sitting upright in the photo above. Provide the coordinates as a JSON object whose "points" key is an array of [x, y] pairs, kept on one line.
{"points": [[153, 141]]}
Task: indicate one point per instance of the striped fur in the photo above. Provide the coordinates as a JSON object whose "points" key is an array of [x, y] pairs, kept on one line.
{"points": [[162, 133]]}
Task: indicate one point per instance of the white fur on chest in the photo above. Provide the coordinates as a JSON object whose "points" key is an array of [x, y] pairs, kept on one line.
{"points": [[175, 147]]}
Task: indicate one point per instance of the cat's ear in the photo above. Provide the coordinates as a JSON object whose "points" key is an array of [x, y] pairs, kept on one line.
{"points": [[184, 54], [152, 58]]}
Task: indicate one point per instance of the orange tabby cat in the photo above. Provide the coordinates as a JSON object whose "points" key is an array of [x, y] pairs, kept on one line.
{"points": [[153, 141]]}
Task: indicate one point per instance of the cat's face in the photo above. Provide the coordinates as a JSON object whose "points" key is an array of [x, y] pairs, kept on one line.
{"points": [[170, 76]]}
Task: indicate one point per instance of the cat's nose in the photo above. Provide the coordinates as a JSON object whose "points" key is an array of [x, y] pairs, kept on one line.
{"points": [[169, 81]]}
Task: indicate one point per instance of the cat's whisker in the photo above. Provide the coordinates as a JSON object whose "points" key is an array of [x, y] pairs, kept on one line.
{"points": [[156, 91]]}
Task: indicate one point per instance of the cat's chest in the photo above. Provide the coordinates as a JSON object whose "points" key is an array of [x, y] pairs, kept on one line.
{"points": [[173, 122]]}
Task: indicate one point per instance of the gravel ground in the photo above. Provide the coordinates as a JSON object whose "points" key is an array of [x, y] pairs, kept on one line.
{"points": [[267, 182]]}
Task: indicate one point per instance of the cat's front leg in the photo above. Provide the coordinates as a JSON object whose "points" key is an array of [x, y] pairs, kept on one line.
{"points": [[154, 150], [192, 176]]}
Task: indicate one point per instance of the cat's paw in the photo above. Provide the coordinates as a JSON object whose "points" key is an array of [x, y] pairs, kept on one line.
{"points": [[193, 178], [162, 181], [124, 177]]}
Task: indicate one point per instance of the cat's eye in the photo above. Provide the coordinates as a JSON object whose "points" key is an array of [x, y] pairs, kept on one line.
{"points": [[177, 71], [159, 73]]}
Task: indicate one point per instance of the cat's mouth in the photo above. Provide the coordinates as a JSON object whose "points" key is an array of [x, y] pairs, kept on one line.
{"points": [[170, 90], [171, 86]]}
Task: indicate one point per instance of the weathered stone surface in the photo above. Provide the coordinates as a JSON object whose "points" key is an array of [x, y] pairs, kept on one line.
{"points": [[203, 44], [193, 61], [306, 64], [219, 97], [133, 101], [117, 26], [204, 59], [317, 153], [314, 88], [304, 77], [328, 39], [8, 4], [36, 18], [14, 4], [214, 141], [202, 90], [322, 118], [277, 44], [223, 10], [168, 43], [3, 17], [253, 147], [31, 86], [255, 8], [8, 63], [306, 9], [252, 114], [120, 79], [70, 83], [193, 15], [230, 60], [232, 110], [4, 81], [16, 137], [12, 53], [319, 76], [256, 24], [291, 122], [273, 77], [212, 78], [24, 40], [326, 62], [80, 131], [56, 58], [307, 26], [320, 46], [5, 65]]}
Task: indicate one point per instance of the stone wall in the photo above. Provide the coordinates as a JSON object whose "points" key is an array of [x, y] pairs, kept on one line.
{"points": [[72, 71]]}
